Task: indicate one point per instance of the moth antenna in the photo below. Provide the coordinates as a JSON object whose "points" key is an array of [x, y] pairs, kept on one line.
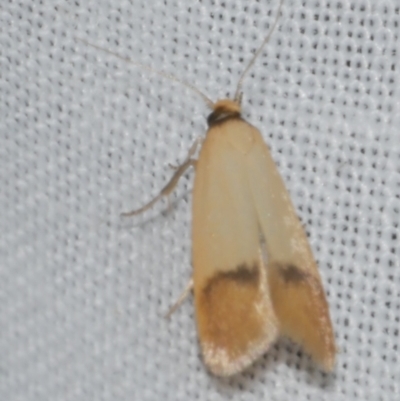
{"points": [[163, 74], [256, 54]]}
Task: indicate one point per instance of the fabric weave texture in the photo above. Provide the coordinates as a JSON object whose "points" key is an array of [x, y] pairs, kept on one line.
{"points": [[85, 136]]}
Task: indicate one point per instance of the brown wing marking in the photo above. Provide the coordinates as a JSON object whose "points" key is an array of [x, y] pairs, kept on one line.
{"points": [[302, 310], [234, 318]]}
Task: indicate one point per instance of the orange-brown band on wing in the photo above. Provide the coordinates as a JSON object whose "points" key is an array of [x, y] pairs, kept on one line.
{"points": [[232, 318], [299, 303]]}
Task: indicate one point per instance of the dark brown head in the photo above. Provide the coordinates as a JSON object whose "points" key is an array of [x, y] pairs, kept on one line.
{"points": [[224, 110]]}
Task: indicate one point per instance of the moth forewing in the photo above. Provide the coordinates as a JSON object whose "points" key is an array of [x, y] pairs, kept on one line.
{"points": [[296, 289], [234, 313]]}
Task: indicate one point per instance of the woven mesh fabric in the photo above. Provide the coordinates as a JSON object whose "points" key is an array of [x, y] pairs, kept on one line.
{"points": [[85, 136]]}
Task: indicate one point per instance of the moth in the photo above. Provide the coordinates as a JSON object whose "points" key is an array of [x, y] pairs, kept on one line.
{"points": [[254, 274]]}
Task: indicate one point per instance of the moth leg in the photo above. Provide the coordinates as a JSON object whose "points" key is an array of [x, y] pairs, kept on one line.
{"points": [[192, 151], [180, 170], [193, 148], [182, 297], [166, 190]]}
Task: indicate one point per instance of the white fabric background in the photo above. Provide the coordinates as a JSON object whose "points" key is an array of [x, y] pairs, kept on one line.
{"points": [[85, 136]]}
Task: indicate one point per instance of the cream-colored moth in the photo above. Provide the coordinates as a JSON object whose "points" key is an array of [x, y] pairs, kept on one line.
{"points": [[240, 207]]}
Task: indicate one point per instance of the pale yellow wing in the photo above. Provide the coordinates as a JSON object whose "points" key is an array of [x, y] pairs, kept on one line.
{"points": [[295, 284], [235, 319]]}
